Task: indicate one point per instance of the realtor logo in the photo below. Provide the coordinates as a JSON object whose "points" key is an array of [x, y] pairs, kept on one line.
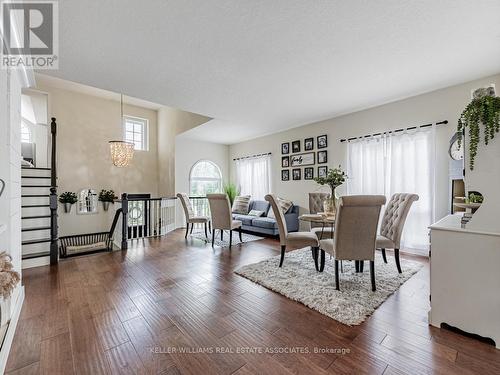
{"points": [[30, 34]]}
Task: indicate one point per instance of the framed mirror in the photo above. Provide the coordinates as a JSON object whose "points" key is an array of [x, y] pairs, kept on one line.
{"points": [[87, 202]]}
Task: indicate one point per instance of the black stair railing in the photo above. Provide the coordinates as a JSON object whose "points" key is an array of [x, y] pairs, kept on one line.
{"points": [[54, 253]]}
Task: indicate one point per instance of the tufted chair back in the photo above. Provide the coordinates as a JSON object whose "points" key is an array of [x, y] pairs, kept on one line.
{"points": [[316, 204], [186, 205], [356, 226], [395, 216], [220, 209], [280, 217]]}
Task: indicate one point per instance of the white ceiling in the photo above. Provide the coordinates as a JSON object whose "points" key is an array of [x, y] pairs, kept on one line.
{"points": [[261, 66]]}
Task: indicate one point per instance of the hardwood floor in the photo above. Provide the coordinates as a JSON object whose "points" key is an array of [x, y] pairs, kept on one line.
{"points": [[135, 312]]}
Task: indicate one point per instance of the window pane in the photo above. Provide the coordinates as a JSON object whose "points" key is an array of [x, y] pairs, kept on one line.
{"points": [[135, 132], [205, 178]]}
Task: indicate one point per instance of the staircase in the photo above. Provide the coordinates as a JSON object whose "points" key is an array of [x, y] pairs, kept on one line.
{"points": [[39, 212], [35, 217]]}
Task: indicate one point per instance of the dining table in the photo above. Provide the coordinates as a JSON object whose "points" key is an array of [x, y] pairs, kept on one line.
{"points": [[325, 220]]}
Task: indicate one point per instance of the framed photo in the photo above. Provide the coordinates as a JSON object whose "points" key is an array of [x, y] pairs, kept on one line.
{"points": [[285, 148], [296, 174], [308, 173], [295, 146], [322, 141], [285, 161], [322, 157], [285, 175], [309, 144], [302, 159], [322, 171]]}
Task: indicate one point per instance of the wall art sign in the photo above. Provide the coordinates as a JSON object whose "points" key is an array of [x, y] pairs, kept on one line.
{"points": [[299, 160]]}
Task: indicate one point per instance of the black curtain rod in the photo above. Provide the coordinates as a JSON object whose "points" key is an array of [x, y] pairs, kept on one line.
{"points": [[395, 131], [252, 156]]}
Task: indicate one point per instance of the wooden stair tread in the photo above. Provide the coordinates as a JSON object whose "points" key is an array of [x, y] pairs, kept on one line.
{"points": [[34, 228]]}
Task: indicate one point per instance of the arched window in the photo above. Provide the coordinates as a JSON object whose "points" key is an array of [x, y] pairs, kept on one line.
{"points": [[205, 178], [25, 133]]}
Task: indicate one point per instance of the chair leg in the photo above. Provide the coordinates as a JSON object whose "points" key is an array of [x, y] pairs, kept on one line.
{"points": [[230, 238], [372, 274], [322, 261], [192, 226], [239, 232], [283, 248], [396, 256], [315, 253], [222, 235], [341, 267], [361, 265], [187, 230], [213, 237], [206, 234], [337, 284], [356, 266], [383, 255], [209, 225]]}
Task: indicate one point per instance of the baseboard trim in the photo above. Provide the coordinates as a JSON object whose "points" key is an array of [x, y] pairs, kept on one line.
{"points": [[9, 336]]}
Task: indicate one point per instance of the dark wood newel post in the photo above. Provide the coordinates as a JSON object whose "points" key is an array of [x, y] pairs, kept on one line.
{"points": [[54, 256], [124, 221]]}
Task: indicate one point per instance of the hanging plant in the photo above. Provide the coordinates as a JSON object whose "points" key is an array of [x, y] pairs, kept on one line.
{"points": [[486, 111]]}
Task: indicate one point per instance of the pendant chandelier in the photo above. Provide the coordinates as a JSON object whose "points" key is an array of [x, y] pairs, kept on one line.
{"points": [[121, 152]]}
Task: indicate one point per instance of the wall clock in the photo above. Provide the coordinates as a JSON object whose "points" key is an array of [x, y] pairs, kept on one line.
{"points": [[456, 152]]}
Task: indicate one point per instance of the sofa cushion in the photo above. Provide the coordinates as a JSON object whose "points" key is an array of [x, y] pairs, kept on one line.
{"points": [[284, 204], [264, 222], [256, 213], [240, 205], [245, 219], [260, 206]]}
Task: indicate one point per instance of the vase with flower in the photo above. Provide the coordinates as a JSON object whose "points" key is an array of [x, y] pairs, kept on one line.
{"points": [[334, 178]]}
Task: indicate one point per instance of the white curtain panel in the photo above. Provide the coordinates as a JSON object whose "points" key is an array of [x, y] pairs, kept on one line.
{"points": [[400, 162], [253, 176]]}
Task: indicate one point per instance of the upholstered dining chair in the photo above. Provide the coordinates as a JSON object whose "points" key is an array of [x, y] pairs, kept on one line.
{"points": [[393, 223], [190, 216], [316, 205], [355, 232], [295, 239], [222, 218]]}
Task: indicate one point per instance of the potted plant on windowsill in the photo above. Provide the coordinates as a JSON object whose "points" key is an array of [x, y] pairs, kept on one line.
{"points": [[107, 197], [68, 198], [334, 178]]}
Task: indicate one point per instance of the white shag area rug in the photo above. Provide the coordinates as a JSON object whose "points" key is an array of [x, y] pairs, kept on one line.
{"points": [[225, 242], [352, 304]]}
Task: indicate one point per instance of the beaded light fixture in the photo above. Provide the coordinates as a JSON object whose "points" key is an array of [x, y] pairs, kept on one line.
{"points": [[121, 152]]}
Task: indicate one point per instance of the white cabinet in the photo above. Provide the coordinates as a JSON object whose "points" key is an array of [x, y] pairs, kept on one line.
{"points": [[465, 278]]}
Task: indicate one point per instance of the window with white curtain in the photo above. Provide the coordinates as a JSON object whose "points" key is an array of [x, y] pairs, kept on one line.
{"points": [[253, 176], [400, 162]]}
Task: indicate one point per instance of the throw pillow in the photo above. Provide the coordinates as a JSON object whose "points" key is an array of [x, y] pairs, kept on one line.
{"points": [[240, 204], [256, 213], [284, 204]]}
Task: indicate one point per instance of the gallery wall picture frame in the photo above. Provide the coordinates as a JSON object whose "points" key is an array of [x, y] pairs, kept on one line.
{"points": [[295, 146], [296, 174], [308, 144], [285, 148], [322, 171], [308, 173], [322, 141], [285, 161], [300, 160], [322, 157], [285, 175]]}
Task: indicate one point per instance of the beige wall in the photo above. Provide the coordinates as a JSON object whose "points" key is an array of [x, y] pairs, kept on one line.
{"points": [[85, 125], [170, 123], [445, 104]]}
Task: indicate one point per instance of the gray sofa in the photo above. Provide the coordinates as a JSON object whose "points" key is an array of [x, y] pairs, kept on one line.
{"points": [[267, 225]]}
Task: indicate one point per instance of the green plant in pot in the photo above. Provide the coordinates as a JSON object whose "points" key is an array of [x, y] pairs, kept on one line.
{"points": [[334, 178], [107, 197], [68, 198], [482, 110], [232, 191]]}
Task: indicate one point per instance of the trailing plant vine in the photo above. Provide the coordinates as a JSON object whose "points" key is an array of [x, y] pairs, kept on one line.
{"points": [[484, 110]]}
